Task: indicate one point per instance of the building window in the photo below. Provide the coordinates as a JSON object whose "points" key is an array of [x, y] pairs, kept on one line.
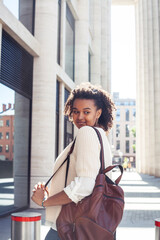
{"points": [[7, 148], [89, 67], [134, 113], [28, 19], [59, 32], [118, 115], [117, 144], [7, 123], [70, 42], [7, 135], [117, 130], [1, 123], [68, 126], [127, 130], [127, 146], [57, 118], [1, 135], [134, 146], [127, 114], [1, 148]]}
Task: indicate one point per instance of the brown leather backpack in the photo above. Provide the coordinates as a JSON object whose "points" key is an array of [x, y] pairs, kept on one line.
{"points": [[97, 216]]}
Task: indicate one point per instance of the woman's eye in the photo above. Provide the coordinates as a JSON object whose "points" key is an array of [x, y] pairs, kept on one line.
{"points": [[75, 112], [86, 112]]}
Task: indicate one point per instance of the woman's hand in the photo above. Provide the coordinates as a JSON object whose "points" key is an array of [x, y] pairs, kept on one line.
{"points": [[39, 193]]}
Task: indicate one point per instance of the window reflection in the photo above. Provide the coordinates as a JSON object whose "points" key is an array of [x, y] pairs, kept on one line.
{"points": [[69, 49], [14, 134]]}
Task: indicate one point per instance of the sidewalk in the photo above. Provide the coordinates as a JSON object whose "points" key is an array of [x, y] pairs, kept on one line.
{"points": [[142, 207]]}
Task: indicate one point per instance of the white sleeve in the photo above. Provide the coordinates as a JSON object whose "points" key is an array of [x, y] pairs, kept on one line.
{"points": [[80, 188]]}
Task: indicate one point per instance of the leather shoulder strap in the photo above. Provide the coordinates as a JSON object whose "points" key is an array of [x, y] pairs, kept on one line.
{"points": [[66, 159], [102, 150]]}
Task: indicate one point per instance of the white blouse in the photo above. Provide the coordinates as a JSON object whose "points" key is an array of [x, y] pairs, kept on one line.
{"points": [[82, 186]]}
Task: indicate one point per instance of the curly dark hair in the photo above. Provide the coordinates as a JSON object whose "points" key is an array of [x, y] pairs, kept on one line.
{"points": [[102, 101]]}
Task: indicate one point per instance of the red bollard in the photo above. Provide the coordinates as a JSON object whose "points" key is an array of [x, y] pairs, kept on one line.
{"points": [[157, 229]]}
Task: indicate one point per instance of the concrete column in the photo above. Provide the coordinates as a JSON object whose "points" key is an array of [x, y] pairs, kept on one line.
{"points": [[151, 127], [138, 153], [96, 43], [156, 54], [145, 87], [44, 92], [106, 45], [148, 87], [140, 93], [81, 42]]}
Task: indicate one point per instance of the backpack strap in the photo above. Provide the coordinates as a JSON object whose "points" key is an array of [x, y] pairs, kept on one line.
{"points": [[102, 150], [66, 159], [102, 169]]}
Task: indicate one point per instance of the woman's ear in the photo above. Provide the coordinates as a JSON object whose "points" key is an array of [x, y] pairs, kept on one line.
{"points": [[99, 112]]}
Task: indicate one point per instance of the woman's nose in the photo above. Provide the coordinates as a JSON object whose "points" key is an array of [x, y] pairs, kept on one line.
{"points": [[80, 115]]}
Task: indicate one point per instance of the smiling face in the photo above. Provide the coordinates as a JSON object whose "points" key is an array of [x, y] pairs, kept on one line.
{"points": [[85, 113]]}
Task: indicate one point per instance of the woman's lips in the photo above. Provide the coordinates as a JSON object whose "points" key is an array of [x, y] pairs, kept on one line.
{"points": [[81, 123]]}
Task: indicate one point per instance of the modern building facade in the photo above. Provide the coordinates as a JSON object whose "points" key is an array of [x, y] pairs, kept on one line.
{"points": [[54, 46], [123, 139]]}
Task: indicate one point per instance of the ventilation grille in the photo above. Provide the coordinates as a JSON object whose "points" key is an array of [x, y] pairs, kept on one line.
{"points": [[16, 66]]}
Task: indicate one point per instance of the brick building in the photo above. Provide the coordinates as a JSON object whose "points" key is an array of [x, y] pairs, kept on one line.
{"points": [[7, 133]]}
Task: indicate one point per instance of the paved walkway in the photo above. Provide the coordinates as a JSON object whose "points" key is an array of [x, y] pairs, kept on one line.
{"points": [[142, 207]]}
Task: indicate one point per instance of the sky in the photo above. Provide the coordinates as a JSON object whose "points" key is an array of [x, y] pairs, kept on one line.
{"points": [[13, 6], [123, 61], [123, 50]]}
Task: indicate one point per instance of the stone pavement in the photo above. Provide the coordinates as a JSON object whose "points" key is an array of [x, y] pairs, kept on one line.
{"points": [[142, 207]]}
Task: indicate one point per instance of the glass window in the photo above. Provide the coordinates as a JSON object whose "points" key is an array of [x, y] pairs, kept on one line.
{"points": [[134, 113], [57, 118], [70, 41], [17, 120], [134, 146], [118, 115], [1, 149], [117, 144], [27, 14], [127, 130], [117, 130], [7, 148], [127, 114], [59, 32], [7, 135], [1, 135], [7, 123], [127, 146], [68, 126], [1, 123], [89, 67]]}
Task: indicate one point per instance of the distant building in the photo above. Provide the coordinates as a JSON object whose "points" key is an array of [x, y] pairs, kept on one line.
{"points": [[123, 139], [7, 133]]}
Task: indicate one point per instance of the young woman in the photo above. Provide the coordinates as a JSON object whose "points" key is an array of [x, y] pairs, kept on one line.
{"points": [[87, 106]]}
